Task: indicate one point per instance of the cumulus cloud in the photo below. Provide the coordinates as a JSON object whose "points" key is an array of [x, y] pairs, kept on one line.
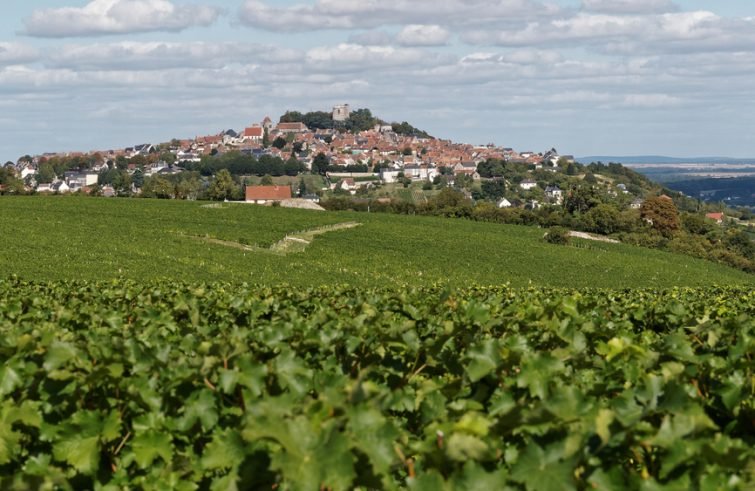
{"points": [[347, 57], [423, 35], [629, 6], [103, 17], [372, 38], [128, 56], [629, 34], [348, 14], [15, 53]]}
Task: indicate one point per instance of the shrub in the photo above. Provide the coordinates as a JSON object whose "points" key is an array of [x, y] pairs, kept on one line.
{"points": [[557, 235]]}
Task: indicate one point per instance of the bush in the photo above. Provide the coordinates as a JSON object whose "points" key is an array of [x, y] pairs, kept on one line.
{"points": [[557, 235]]}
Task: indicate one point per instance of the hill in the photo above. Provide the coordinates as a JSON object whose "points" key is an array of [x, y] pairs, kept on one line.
{"points": [[67, 238], [660, 159]]}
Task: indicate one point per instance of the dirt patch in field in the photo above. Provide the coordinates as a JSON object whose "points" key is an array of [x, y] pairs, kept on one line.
{"points": [[597, 238], [291, 244]]}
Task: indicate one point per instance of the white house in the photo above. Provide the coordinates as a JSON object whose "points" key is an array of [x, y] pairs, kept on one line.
{"points": [[28, 170], [554, 194], [389, 176], [528, 184], [504, 203]]}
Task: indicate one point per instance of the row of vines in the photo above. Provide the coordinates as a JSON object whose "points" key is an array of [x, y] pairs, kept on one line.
{"points": [[121, 385]]}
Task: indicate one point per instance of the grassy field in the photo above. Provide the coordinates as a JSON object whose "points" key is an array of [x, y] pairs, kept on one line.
{"points": [[63, 238]]}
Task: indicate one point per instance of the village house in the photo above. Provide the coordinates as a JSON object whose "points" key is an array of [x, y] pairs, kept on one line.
{"points": [[716, 217], [253, 134], [262, 195], [528, 184], [554, 194], [287, 128]]}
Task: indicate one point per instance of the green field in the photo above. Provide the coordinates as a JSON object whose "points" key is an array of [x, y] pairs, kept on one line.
{"points": [[65, 238], [214, 346]]}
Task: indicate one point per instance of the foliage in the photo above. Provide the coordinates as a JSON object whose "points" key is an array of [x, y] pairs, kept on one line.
{"points": [[158, 187], [406, 129], [279, 143], [493, 189], [491, 168], [602, 219], [239, 164], [557, 235], [320, 164], [223, 187], [360, 120], [116, 385], [662, 214]]}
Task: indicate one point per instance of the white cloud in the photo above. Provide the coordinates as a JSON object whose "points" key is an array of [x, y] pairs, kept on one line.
{"points": [[651, 100], [15, 53], [127, 56], [423, 35], [629, 6], [103, 17], [348, 14], [372, 38], [628, 34], [348, 57]]}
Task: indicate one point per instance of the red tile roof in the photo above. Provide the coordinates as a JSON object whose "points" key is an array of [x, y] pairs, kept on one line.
{"points": [[719, 217], [267, 193], [254, 132]]}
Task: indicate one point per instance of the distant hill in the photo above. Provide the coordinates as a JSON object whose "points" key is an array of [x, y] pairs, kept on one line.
{"points": [[660, 159]]}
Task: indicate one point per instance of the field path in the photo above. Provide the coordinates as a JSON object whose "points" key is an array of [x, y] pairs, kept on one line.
{"points": [[291, 244]]}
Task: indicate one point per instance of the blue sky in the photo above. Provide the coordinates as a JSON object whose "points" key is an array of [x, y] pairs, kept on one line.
{"points": [[586, 76]]}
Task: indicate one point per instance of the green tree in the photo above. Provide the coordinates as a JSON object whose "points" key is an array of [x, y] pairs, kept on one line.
{"points": [[320, 164], [493, 189], [602, 219], [491, 168], [279, 143], [138, 178], [463, 181], [662, 215], [222, 186], [318, 120], [188, 188], [292, 117], [266, 138], [45, 174], [168, 157], [267, 180], [293, 167], [581, 199], [158, 187], [361, 120], [740, 242]]}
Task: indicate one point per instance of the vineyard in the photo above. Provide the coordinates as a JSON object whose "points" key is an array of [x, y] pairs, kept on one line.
{"points": [[70, 238], [163, 385]]}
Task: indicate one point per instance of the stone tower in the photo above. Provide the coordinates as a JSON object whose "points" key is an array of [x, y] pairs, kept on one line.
{"points": [[341, 112]]}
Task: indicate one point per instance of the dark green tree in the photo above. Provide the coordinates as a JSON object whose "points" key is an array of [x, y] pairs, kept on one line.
{"points": [[279, 143], [493, 189], [320, 164]]}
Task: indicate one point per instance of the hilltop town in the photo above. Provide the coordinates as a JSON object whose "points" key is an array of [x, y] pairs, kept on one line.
{"points": [[358, 156]]}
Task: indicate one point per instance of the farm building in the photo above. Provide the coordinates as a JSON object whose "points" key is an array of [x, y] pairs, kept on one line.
{"points": [[262, 195]]}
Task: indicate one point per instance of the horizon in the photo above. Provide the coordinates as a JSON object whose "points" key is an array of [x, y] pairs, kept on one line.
{"points": [[589, 77]]}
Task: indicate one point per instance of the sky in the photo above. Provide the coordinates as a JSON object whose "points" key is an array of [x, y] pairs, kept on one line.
{"points": [[588, 77]]}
